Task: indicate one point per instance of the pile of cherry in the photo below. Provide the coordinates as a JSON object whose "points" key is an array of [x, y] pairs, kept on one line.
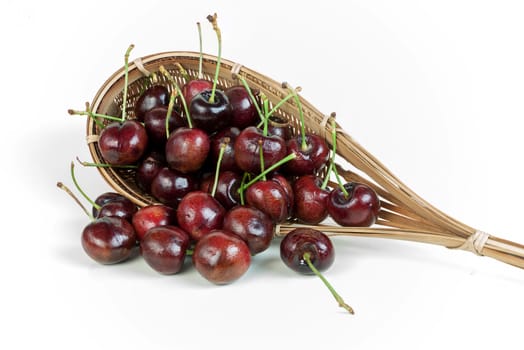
{"points": [[225, 170]]}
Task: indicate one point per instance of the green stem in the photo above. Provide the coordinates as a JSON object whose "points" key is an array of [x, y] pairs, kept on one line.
{"points": [[265, 102], [93, 115], [301, 115], [241, 188], [338, 298], [213, 20], [80, 189], [68, 191], [126, 80], [278, 105], [251, 96], [200, 56], [219, 161], [170, 110], [268, 170], [169, 77], [326, 178], [261, 153], [105, 165]]}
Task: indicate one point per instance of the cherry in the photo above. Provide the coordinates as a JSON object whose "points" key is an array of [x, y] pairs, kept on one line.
{"points": [[355, 205], [109, 240], [103, 199], [247, 149], [228, 134], [243, 111], [279, 126], [123, 143], [152, 216], [170, 186], [227, 187], [312, 155], [309, 251], [187, 149], [221, 257], [199, 213], [269, 197], [154, 96], [288, 190], [310, 199], [252, 225], [148, 168], [164, 248], [210, 115], [122, 208], [155, 124]]}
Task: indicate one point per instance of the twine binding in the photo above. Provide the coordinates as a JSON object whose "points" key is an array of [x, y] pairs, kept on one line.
{"points": [[140, 66], [474, 243]]}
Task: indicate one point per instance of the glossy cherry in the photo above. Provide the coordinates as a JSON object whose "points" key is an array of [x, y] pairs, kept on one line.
{"points": [[278, 126], [152, 216], [155, 124], [269, 197], [187, 149], [210, 116], [170, 186], [252, 225], [228, 134], [199, 213], [104, 198], [164, 248], [360, 207], [148, 169], [310, 199], [227, 187], [221, 257], [123, 143], [247, 149], [123, 208], [195, 87], [154, 96], [109, 240], [311, 156], [243, 111]]}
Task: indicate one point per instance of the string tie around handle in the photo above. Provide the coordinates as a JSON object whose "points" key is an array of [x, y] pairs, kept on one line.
{"points": [[474, 243], [140, 66], [235, 70]]}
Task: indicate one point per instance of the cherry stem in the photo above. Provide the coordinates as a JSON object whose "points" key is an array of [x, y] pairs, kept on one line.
{"points": [[170, 110], [68, 191], [200, 57], [278, 105], [80, 189], [94, 116], [286, 159], [261, 153], [334, 152], [242, 184], [265, 104], [251, 96], [182, 71], [219, 162], [328, 172], [213, 20], [300, 113], [106, 165], [169, 77], [338, 298], [126, 80]]}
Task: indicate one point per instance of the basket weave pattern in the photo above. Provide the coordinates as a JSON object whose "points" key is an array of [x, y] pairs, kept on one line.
{"points": [[404, 215]]}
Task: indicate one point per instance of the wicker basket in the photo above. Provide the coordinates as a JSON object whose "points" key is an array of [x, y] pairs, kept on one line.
{"points": [[404, 215]]}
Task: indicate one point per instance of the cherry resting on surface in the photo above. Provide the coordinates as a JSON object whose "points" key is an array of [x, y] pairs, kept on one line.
{"points": [[164, 248], [221, 257], [359, 208]]}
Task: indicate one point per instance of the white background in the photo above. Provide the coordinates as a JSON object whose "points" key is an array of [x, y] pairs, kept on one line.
{"points": [[434, 89]]}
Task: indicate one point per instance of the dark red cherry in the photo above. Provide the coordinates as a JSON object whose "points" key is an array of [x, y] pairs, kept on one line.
{"points": [[228, 158], [109, 240], [359, 208], [194, 87], [164, 249], [170, 186], [309, 159], [123, 208], [199, 213], [247, 149], [252, 225], [278, 126], [105, 198], [210, 116], [148, 168], [310, 200], [154, 96], [227, 188], [288, 190], [243, 111], [155, 124], [305, 240], [123, 143], [152, 216], [221, 257], [187, 149], [269, 197]]}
